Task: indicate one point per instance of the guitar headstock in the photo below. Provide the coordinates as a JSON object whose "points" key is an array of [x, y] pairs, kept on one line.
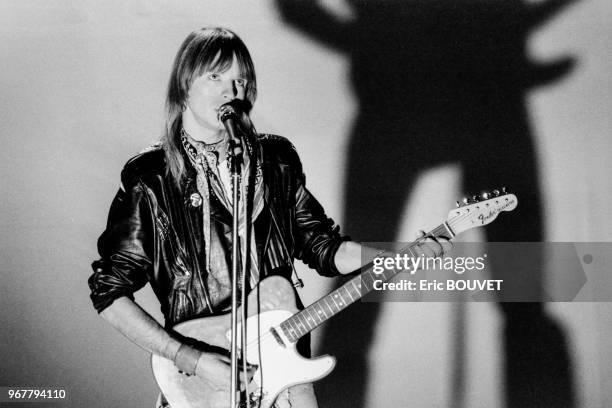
{"points": [[480, 210]]}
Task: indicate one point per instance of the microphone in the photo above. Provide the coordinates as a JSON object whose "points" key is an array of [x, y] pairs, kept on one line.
{"points": [[229, 114]]}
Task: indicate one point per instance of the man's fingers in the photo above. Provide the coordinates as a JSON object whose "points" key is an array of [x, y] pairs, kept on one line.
{"points": [[447, 245], [249, 377], [434, 246], [223, 358]]}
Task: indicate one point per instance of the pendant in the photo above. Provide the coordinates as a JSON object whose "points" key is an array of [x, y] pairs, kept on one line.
{"points": [[195, 200]]}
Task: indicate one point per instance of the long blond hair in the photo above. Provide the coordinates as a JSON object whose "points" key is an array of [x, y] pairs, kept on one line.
{"points": [[203, 49]]}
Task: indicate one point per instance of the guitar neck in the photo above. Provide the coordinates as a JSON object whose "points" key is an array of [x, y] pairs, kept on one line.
{"points": [[329, 305]]}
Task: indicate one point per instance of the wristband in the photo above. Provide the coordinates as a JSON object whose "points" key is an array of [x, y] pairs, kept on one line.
{"points": [[186, 359]]}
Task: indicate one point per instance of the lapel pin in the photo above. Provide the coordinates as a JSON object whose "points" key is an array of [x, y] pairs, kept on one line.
{"points": [[195, 200]]}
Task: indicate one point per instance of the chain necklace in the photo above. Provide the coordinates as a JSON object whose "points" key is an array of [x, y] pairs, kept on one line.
{"points": [[209, 147], [210, 153]]}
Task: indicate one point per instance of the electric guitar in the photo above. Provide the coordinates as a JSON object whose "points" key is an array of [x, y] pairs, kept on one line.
{"points": [[274, 324]]}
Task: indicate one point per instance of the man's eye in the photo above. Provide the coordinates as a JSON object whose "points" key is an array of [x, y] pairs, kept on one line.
{"points": [[241, 82], [213, 76]]}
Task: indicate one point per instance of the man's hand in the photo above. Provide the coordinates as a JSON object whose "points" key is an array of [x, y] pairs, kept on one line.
{"points": [[433, 247], [215, 369], [350, 254]]}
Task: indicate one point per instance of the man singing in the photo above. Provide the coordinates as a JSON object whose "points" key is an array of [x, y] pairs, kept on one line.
{"points": [[170, 222]]}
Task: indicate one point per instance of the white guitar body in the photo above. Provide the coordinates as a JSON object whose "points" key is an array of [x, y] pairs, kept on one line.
{"points": [[280, 365]]}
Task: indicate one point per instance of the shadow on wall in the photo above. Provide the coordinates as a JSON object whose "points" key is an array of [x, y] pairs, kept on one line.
{"points": [[440, 82]]}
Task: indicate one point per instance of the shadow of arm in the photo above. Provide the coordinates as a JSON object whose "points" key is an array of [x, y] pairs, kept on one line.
{"points": [[539, 13], [312, 19]]}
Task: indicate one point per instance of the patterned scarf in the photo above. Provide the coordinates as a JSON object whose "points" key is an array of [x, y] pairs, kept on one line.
{"points": [[209, 180]]}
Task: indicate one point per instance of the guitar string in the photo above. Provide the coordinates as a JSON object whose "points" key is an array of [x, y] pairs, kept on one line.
{"points": [[454, 221]]}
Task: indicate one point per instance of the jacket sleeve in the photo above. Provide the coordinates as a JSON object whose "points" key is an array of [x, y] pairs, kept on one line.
{"points": [[124, 247], [316, 237]]}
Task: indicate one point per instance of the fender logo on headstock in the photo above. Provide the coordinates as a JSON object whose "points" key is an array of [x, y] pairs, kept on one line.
{"points": [[493, 213], [480, 210]]}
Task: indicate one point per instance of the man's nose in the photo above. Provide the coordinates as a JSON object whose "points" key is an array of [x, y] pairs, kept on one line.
{"points": [[229, 90]]}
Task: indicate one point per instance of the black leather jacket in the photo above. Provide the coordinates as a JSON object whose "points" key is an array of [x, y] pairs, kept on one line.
{"points": [[154, 233]]}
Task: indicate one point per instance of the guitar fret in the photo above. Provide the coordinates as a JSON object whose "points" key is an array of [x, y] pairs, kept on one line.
{"points": [[365, 284], [409, 249], [334, 299], [319, 310], [301, 320], [296, 328], [332, 305], [291, 324], [289, 331], [305, 324], [312, 321], [313, 316], [304, 318], [368, 280], [338, 299], [357, 286], [317, 314], [349, 295], [293, 332], [331, 310]]}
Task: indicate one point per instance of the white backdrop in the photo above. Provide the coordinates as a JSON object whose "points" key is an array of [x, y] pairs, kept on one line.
{"points": [[82, 85]]}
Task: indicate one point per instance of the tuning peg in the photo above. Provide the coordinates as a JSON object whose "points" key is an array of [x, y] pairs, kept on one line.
{"points": [[458, 204], [485, 195], [475, 199], [466, 200], [495, 193], [504, 191]]}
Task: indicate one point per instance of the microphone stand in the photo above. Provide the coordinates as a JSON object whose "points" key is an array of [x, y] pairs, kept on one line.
{"points": [[235, 165], [228, 115]]}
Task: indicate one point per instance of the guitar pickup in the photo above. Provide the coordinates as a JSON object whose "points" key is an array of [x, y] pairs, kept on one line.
{"points": [[278, 338]]}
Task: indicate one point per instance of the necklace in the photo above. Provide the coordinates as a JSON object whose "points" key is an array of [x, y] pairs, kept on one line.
{"points": [[209, 147], [205, 154]]}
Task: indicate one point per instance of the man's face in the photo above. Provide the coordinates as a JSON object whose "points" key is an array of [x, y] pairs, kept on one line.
{"points": [[211, 90]]}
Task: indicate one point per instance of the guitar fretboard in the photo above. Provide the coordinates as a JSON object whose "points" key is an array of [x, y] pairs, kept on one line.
{"points": [[314, 315]]}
